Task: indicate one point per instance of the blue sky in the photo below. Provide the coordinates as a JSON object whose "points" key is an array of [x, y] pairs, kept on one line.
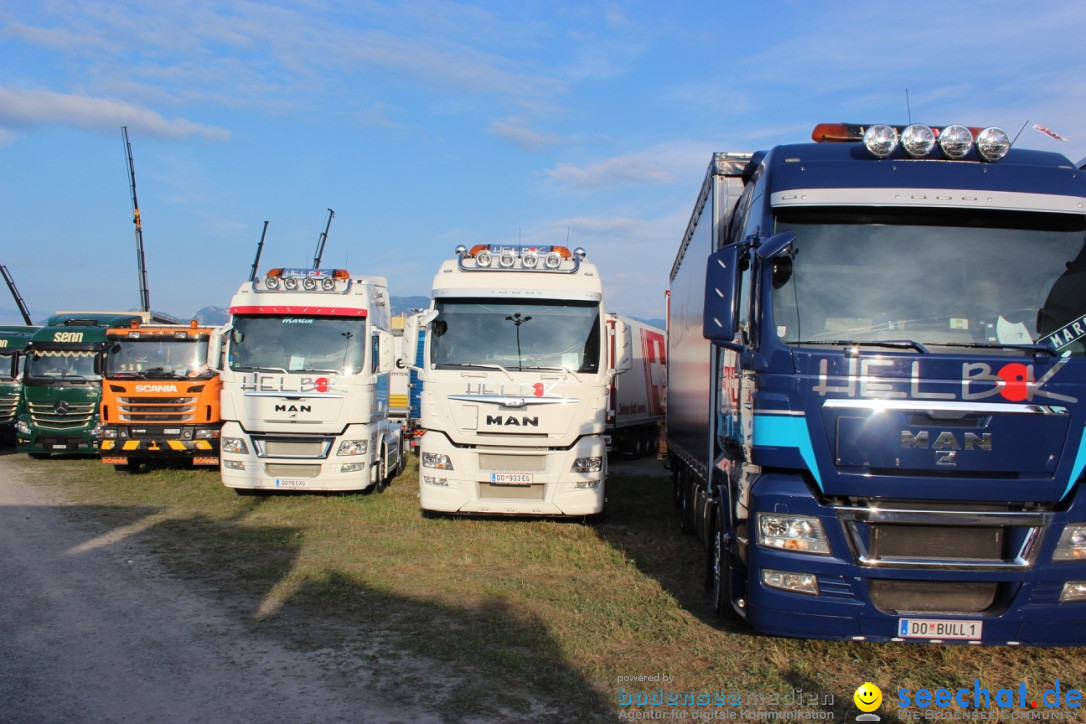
{"points": [[434, 123]]}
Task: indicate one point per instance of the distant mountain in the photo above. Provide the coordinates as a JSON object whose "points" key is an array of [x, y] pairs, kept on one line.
{"points": [[212, 316], [407, 305]]}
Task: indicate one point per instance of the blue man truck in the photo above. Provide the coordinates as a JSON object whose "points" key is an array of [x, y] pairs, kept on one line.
{"points": [[877, 387]]}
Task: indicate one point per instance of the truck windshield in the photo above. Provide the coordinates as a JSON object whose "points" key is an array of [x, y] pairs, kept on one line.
{"points": [[298, 344], [956, 278], [516, 335], [8, 369], [50, 365], [156, 357]]}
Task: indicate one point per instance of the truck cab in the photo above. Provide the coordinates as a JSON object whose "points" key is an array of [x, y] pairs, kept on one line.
{"points": [[13, 341], [891, 322]]}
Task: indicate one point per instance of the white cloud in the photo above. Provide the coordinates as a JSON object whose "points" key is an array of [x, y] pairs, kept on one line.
{"points": [[516, 132], [20, 108]]}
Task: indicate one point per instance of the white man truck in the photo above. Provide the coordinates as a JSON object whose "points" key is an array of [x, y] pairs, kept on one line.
{"points": [[516, 372], [877, 387], [305, 362]]}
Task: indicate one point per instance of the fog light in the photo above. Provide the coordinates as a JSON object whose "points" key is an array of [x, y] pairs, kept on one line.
{"points": [[233, 464], [586, 484], [352, 467], [918, 140], [441, 482], [786, 581], [993, 144], [110, 433], [1073, 591], [880, 140], [956, 141]]}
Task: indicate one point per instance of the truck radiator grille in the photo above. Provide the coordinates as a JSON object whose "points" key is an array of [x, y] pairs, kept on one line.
{"points": [[512, 463], [47, 417], [277, 447], [933, 543], [286, 470], [157, 409], [489, 491], [932, 596], [7, 409]]}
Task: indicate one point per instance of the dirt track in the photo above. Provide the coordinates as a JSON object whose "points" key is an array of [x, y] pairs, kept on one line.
{"points": [[92, 631]]}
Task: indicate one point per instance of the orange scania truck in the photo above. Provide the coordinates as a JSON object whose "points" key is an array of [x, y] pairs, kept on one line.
{"points": [[160, 398]]}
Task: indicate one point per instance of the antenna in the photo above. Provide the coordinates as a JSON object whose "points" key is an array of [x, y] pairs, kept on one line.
{"points": [[908, 108], [1019, 133], [141, 265], [320, 242], [259, 247], [15, 293]]}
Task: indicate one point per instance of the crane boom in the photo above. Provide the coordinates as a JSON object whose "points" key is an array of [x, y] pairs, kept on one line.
{"points": [[141, 265], [15, 293], [259, 247], [320, 242]]}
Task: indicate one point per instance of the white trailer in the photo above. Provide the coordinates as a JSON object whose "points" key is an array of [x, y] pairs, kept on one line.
{"points": [[516, 380], [636, 406], [305, 365]]}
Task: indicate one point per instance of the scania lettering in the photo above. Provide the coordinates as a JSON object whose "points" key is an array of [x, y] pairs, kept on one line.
{"points": [[877, 381], [13, 342], [62, 383], [160, 397], [516, 369], [305, 363]]}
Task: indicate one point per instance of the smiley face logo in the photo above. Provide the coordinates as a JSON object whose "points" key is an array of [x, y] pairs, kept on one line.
{"points": [[867, 697]]}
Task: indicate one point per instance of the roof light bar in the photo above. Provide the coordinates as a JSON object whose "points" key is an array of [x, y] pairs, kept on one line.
{"points": [[519, 258], [918, 141], [310, 280]]}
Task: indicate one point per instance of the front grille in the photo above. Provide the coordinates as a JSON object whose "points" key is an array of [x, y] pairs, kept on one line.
{"points": [[46, 417], [292, 448], [932, 596], [933, 543], [489, 491], [7, 409], [512, 463], [286, 470], [156, 409]]}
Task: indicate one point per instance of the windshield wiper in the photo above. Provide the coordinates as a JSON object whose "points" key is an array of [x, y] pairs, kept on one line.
{"points": [[563, 368], [1008, 345], [245, 368], [487, 366], [891, 343]]}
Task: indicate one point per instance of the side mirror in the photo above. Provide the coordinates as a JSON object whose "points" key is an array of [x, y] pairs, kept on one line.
{"points": [[216, 348], [721, 281], [409, 345], [386, 361], [622, 355]]}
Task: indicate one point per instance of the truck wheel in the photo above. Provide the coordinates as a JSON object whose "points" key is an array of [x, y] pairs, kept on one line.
{"points": [[719, 580], [130, 467]]}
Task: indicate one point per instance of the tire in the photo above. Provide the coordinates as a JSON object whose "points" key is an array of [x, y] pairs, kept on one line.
{"points": [[719, 578], [39, 456], [130, 468]]}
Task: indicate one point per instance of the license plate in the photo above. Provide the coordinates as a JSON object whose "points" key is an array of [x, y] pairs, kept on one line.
{"points": [[172, 431], [511, 478], [288, 483], [60, 446], [937, 628]]}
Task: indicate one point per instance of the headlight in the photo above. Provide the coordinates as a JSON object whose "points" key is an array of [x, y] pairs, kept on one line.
{"points": [[799, 533], [1072, 545], [234, 445], [1073, 591], [22, 428], [110, 433], [588, 465], [353, 447], [207, 434], [880, 140], [438, 461], [993, 144], [918, 140], [956, 141]]}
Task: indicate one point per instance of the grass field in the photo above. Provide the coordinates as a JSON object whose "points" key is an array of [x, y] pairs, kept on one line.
{"points": [[530, 620]]}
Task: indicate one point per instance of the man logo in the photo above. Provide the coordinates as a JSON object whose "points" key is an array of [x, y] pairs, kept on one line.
{"points": [[512, 421]]}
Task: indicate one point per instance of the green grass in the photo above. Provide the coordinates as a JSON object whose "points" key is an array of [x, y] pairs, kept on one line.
{"points": [[532, 620]]}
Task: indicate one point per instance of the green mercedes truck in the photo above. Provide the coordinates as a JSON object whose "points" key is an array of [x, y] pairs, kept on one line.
{"points": [[13, 341], [62, 383]]}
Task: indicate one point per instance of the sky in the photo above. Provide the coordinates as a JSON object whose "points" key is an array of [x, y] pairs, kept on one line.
{"points": [[428, 124]]}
